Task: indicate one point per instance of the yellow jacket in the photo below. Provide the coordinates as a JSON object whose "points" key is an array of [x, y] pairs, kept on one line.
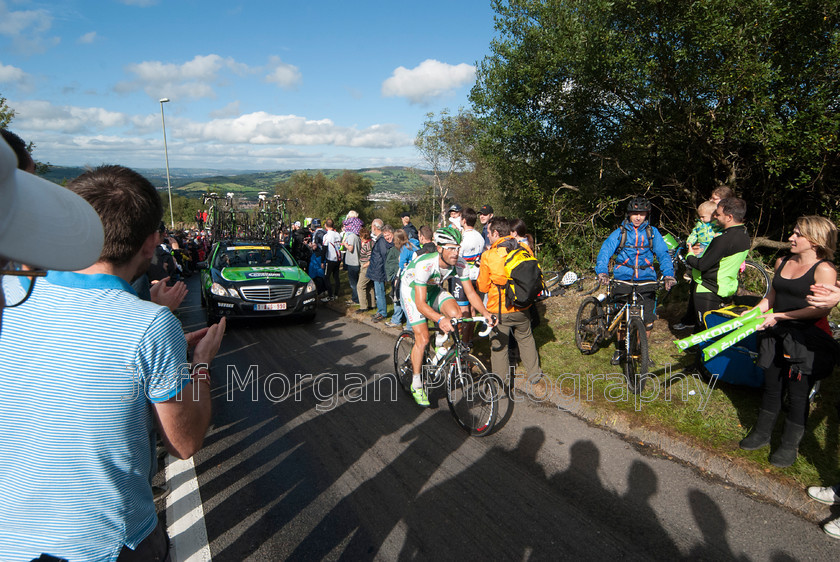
{"points": [[491, 274]]}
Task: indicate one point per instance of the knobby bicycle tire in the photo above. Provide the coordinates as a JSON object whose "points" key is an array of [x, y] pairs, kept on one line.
{"points": [[472, 395], [636, 356], [589, 326], [588, 283], [753, 283]]}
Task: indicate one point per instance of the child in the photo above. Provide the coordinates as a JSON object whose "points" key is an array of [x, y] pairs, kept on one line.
{"points": [[703, 233], [705, 229]]}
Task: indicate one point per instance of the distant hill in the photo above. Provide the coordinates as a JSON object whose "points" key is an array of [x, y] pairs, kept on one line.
{"points": [[194, 182]]}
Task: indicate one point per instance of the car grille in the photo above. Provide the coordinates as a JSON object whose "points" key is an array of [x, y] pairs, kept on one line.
{"points": [[267, 293]]}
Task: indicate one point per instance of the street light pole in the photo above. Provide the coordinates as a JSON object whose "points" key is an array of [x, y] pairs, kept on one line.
{"points": [[166, 154]]}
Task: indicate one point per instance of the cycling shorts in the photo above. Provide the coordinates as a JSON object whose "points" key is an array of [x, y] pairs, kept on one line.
{"points": [[435, 297]]}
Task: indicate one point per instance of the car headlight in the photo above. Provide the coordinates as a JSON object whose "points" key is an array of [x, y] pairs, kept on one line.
{"points": [[310, 287], [218, 290]]}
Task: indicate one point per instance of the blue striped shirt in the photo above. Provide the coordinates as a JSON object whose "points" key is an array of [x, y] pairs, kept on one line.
{"points": [[81, 363]]}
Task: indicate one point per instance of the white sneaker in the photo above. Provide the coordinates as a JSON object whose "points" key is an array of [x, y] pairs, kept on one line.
{"points": [[832, 528], [825, 495]]}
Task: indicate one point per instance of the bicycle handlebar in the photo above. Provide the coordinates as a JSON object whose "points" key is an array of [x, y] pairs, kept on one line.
{"points": [[483, 333]]}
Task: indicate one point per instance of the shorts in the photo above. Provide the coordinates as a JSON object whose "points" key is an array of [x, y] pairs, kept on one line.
{"points": [[621, 295], [458, 292], [435, 297]]}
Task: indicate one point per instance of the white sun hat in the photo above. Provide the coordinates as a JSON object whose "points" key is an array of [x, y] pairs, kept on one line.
{"points": [[43, 224]]}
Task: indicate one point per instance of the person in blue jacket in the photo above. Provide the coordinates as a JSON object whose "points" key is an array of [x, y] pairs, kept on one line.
{"points": [[634, 245]]}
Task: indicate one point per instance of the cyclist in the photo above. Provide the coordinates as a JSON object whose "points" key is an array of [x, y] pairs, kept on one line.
{"points": [[424, 298], [634, 245]]}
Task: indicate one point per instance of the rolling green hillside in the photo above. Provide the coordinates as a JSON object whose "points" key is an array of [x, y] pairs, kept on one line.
{"points": [[194, 182]]}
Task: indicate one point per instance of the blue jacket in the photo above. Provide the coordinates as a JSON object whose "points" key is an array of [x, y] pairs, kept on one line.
{"points": [[316, 266], [635, 261]]}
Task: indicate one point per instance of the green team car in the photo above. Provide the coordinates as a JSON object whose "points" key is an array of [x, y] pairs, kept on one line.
{"points": [[254, 279]]}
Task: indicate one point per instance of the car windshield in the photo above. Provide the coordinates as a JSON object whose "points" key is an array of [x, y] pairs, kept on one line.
{"points": [[253, 256]]}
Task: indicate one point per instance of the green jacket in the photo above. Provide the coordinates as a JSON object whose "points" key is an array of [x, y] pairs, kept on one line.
{"points": [[717, 270]]}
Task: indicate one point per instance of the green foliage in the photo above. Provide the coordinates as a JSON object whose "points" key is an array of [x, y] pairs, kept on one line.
{"points": [[321, 197], [6, 113], [668, 98], [183, 209]]}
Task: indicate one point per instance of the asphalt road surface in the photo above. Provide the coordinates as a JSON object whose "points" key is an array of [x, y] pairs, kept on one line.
{"points": [[303, 466]]}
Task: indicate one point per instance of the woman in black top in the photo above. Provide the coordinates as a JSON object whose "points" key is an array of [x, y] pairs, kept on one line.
{"points": [[795, 346]]}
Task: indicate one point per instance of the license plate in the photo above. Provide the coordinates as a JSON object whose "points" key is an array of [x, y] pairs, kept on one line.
{"points": [[271, 306]]}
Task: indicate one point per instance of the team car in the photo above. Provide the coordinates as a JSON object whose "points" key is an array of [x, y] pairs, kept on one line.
{"points": [[254, 279]]}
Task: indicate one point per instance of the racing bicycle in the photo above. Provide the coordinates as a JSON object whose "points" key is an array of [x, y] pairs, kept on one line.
{"points": [[620, 311], [472, 393]]}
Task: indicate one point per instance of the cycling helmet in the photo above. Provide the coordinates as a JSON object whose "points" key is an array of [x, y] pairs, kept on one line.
{"points": [[638, 205], [447, 235], [316, 223]]}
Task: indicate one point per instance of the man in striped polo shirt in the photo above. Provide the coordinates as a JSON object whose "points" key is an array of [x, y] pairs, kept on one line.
{"points": [[88, 374]]}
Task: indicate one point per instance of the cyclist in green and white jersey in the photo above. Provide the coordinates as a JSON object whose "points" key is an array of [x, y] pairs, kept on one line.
{"points": [[424, 298]]}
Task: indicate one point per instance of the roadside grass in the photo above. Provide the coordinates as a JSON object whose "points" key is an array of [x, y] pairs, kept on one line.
{"points": [[713, 421], [715, 425]]}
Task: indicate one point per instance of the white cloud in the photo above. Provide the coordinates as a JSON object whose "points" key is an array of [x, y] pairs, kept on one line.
{"points": [[27, 29], [87, 38], [230, 110], [16, 76], [194, 79], [262, 128], [430, 79], [285, 75], [43, 116]]}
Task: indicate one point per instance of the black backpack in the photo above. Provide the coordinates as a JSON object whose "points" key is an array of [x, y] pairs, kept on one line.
{"points": [[524, 278]]}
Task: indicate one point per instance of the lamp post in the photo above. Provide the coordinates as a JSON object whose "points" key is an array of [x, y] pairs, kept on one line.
{"points": [[166, 154]]}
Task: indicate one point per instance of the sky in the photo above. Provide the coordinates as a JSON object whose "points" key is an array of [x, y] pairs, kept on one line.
{"points": [[252, 84]]}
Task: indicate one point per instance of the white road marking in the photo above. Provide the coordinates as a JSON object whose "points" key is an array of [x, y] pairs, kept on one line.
{"points": [[184, 513]]}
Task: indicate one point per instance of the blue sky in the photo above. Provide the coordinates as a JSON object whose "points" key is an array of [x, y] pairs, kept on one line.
{"points": [[252, 84]]}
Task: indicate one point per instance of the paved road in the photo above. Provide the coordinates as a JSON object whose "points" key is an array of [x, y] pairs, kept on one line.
{"points": [[330, 471]]}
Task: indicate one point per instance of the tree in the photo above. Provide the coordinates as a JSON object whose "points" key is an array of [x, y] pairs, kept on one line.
{"points": [[6, 113], [445, 144], [585, 102], [322, 197], [459, 171]]}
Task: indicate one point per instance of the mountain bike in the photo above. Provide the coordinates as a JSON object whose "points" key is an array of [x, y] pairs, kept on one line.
{"points": [[472, 393], [558, 282], [619, 313]]}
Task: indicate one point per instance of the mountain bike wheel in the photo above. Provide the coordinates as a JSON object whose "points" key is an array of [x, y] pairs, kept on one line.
{"points": [[753, 283], [589, 326], [636, 356], [588, 283], [402, 360], [473, 395], [551, 280]]}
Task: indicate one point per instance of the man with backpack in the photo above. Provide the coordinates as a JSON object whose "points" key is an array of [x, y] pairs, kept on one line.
{"points": [[634, 245], [507, 303]]}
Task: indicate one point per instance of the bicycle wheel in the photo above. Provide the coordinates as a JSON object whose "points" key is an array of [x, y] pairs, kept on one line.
{"points": [[551, 280], [589, 326], [472, 394], [588, 283], [402, 360], [753, 284], [636, 358]]}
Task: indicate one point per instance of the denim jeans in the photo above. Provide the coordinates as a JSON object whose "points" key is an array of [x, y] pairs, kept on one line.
{"points": [[353, 279], [381, 302]]}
